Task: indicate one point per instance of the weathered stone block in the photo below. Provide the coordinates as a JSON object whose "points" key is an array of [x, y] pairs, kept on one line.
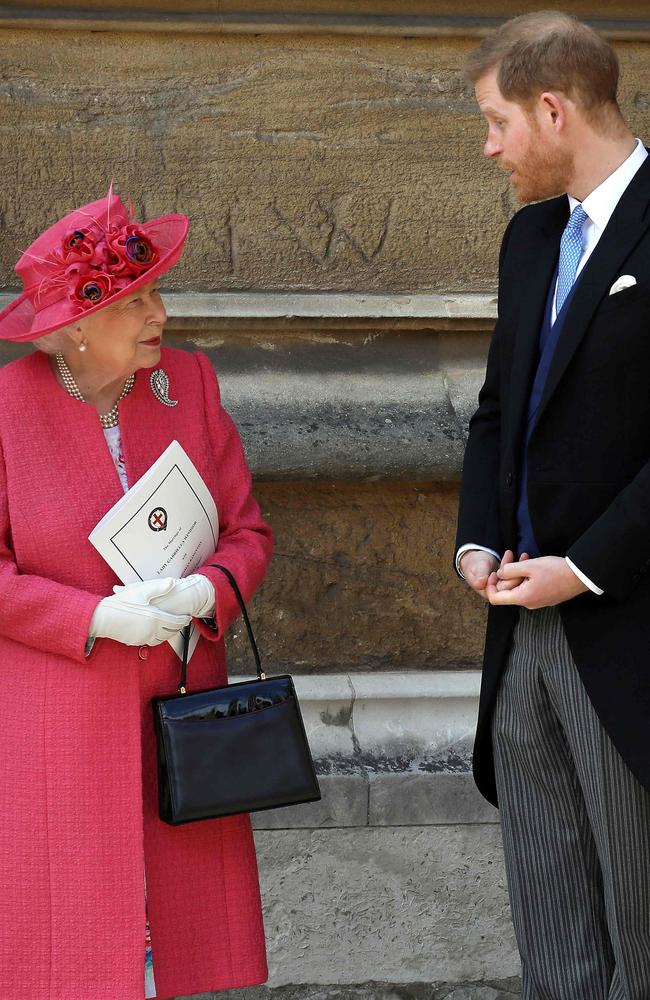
{"points": [[362, 579], [505, 989], [414, 904], [303, 161], [364, 798], [344, 803], [426, 799]]}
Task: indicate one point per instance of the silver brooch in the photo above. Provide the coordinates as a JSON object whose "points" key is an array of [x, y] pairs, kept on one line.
{"points": [[159, 382]]}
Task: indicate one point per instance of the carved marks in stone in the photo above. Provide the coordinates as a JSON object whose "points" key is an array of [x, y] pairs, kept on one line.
{"points": [[217, 239], [324, 228], [327, 225]]}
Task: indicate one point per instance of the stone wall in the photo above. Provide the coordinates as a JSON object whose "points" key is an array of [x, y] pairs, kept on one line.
{"points": [[340, 274], [303, 161]]}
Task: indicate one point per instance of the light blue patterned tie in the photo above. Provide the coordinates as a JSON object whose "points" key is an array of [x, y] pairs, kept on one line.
{"points": [[571, 247]]}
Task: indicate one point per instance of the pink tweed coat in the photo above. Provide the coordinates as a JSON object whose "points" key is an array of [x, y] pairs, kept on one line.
{"points": [[78, 798]]}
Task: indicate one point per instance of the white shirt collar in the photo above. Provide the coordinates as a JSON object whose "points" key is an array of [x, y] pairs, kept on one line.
{"points": [[601, 202]]}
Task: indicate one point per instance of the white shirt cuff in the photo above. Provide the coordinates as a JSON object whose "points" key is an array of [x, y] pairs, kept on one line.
{"points": [[471, 547], [585, 579]]}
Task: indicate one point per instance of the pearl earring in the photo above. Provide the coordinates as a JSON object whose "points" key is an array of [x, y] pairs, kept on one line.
{"points": [[82, 345]]}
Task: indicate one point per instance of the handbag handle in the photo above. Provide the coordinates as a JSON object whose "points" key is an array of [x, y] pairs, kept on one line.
{"points": [[249, 628]]}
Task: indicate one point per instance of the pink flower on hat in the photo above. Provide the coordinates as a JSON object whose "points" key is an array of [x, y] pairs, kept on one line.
{"points": [[133, 250], [77, 245], [99, 266], [89, 286]]}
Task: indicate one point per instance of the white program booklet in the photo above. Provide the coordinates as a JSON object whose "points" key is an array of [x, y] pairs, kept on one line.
{"points": [[165, 525]]}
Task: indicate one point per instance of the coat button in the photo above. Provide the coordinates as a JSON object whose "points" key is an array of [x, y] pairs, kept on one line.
{"points": [[509, 479], [143, 652]]}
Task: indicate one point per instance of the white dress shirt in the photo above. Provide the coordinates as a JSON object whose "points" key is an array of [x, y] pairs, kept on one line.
{"points": [[599, 207]]}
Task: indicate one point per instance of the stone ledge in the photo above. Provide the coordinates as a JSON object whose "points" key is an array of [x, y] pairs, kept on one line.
{"points": [[280, 20], [390, 721], [316, 309], [367, 799], [344, 411], [494, 989], [270, 309], [391, 749]]}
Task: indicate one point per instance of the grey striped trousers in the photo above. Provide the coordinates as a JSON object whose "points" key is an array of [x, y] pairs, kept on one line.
{"points": [[576, 828]]}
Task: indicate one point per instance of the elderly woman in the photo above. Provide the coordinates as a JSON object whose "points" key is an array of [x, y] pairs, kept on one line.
{"points": [[81, 420]]}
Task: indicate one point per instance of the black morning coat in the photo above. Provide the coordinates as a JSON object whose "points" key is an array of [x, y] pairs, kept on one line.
{"points": [[588, 460]]}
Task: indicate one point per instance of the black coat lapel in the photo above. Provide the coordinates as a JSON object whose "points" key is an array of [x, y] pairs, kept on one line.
{"points": [[537, 258], [629, 222]]}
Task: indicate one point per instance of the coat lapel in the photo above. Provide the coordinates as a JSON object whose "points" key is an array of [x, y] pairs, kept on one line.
{"points": [[536, 266], [628, 224]]}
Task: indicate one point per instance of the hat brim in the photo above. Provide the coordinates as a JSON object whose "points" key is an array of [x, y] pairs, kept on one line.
{"points": [[21, 321]]}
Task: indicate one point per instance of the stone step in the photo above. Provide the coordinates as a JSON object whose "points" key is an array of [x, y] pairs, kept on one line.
{"points": [[504, 989], [390, 749]]}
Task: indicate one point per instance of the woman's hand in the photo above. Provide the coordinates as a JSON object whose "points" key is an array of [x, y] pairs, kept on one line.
{"points": [[134, 624], [193, 595]]}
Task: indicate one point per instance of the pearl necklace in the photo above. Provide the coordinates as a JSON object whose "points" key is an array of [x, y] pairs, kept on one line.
{"points": [[107, 420]]}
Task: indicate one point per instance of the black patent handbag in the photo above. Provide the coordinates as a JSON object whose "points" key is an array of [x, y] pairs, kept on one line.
{"points": [[234, 749]]}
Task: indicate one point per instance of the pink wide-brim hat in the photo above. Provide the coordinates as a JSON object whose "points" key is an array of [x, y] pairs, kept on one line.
{"points": [[87, 260]]}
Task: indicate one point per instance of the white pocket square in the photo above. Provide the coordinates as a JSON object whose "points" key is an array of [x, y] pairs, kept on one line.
{"points": [[625, 281]]}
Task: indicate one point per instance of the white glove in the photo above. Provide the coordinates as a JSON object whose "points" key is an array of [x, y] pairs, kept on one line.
{"points": [[193, 595], [135, 624]]}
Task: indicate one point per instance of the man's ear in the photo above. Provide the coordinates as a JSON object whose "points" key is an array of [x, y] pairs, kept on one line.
{"points": [[552, 109]]}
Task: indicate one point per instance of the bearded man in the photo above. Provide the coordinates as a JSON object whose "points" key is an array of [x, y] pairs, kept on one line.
{"points": [[554, 519]]}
